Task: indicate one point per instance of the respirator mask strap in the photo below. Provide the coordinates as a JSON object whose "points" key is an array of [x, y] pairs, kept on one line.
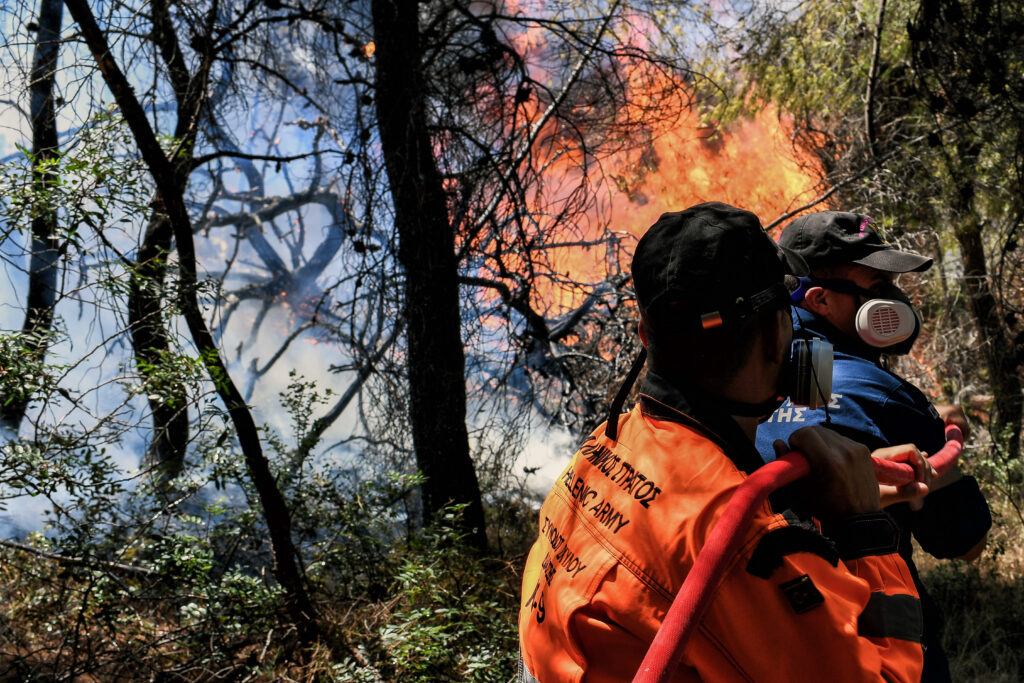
{"points": [[841, 286], [886, 320]]}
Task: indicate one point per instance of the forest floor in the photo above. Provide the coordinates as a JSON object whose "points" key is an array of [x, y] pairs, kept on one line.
{"points": [[983, 603]]}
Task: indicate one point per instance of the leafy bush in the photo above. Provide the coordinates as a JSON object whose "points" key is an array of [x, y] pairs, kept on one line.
{"points": [[452, 616]]}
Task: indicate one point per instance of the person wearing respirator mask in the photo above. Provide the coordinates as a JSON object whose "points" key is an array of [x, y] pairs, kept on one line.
{"points": [[623, 524], [851, 300]]}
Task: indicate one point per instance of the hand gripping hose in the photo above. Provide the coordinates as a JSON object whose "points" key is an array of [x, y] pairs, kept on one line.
{"points": [[693, 597]]}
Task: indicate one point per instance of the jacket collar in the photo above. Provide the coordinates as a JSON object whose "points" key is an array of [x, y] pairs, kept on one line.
{"points": [[664, 400]]}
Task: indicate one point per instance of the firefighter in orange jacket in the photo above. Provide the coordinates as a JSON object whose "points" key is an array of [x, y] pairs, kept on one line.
{"points": [[822, 599]]}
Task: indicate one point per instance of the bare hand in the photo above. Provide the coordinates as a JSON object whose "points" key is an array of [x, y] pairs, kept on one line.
{"points": [[954, 415], [915, 491], [842, 480]]}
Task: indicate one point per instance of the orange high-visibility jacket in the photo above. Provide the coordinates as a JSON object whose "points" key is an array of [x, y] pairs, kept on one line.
{"points": [[621, 529]]}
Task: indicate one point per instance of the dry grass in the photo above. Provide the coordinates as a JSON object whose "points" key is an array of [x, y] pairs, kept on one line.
{"points": [[983, 603]]}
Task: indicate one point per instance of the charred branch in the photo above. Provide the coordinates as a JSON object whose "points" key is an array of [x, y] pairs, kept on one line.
{"points": [[115, 568], [212, 156], [364, 370]]}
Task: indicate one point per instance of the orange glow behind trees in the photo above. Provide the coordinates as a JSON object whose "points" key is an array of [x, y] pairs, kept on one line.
{"points": [[750, 164]]}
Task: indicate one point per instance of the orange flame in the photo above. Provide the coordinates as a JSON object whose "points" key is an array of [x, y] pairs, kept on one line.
{"points": [[750, 164]]}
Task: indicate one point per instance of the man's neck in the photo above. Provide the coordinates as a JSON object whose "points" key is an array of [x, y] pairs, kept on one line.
{"points": [[748, 425]]}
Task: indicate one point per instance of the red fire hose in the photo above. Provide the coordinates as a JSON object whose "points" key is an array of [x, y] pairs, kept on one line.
{"points": [[689, 605]]}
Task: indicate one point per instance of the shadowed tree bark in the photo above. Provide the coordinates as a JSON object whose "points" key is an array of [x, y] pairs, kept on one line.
{"points": [[151, 344], [962, 53], [1000, 356], [146, 297], [45, 252], [426, 250]]}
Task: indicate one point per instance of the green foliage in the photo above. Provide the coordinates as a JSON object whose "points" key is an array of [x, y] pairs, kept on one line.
{"points": [[452, 619], [181, 557], [98, 183], [218, 375], [1001, 472], [164, 376], [983, 602], [300, 399], [24, 373], [345, 524]]}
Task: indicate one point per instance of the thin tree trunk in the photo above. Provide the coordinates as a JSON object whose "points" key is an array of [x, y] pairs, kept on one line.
{"points": [[45, 250], [436, 364], [151, 344], [171, 200], [999, 355]]}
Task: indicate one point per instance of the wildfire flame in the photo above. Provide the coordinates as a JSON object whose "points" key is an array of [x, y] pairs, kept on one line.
{"points": [[750, 164]]}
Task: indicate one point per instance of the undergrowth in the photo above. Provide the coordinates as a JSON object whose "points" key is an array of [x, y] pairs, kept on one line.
{"points": [[983, 603], [434, 610], [194, 600]]}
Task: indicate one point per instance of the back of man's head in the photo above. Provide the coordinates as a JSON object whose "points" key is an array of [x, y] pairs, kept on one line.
{"points": [[706, 280]]}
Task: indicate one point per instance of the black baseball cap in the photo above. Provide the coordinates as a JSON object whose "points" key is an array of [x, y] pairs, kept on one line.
{"points": [[708, 265], [831, 238]]}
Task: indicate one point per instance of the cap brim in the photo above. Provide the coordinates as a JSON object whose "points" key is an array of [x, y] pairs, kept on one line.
{"points": [[894, 261], [793, 262]]}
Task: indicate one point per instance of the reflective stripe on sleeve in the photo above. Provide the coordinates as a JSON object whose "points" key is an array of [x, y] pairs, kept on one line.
{"points": [[892, 616]]}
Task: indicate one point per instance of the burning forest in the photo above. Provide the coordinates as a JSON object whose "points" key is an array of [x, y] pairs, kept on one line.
{"points": [[307, 305]]}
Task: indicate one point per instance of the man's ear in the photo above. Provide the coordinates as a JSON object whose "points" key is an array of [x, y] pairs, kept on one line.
{"points": [[816, 300], [776, 340]]}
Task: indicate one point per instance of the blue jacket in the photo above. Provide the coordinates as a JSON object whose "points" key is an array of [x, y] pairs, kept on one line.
{"points": [[877, 408]]}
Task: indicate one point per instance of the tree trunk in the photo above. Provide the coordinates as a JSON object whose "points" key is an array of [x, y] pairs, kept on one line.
{"points": [[151, 343], [45, 251], [997, 348], [436, 364], [275, 510]]}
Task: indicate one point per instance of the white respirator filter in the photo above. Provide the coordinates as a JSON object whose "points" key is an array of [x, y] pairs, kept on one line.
{"points": [[884, 322], [812, 367]]}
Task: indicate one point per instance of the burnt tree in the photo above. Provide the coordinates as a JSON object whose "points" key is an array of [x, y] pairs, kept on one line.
{"points": [[172, 203], [426, 250]]}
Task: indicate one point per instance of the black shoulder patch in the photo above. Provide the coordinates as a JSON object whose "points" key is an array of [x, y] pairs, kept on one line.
{"points": [[802, 594], [777, 543]]}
